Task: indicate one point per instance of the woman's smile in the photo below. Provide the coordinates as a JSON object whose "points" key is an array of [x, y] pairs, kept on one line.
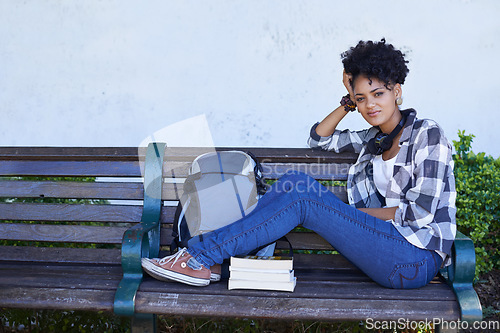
{"points": [[373, 113]]}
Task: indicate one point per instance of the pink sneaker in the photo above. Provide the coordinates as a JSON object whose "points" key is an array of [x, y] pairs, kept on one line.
{"points": [[178, 267]]}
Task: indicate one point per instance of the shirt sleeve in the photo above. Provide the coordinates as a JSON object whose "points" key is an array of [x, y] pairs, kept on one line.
{"points": [[339, 141], [433, 160]]}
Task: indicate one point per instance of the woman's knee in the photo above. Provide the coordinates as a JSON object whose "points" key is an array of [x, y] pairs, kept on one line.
{"points": [[302, 186], [295, 180], [294, 175]]}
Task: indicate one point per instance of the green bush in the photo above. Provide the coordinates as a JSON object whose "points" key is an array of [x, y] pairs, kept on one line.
{"points": [[478, 201]]}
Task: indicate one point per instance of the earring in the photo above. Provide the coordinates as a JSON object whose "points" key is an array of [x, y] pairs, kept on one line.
{"points": [[399, 101]]}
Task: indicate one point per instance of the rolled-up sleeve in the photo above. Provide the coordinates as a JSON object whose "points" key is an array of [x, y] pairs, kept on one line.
{"points": [[339, 141]]}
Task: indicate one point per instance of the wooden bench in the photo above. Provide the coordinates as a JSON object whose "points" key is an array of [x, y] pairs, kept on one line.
{"points": [[135, 219]]}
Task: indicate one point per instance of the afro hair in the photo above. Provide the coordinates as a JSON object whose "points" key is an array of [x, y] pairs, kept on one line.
{"points": [[376, 60]]}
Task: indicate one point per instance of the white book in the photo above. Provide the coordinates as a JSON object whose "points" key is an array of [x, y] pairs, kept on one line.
{"points": [[262, 285], [260, 275], [254, 262]]}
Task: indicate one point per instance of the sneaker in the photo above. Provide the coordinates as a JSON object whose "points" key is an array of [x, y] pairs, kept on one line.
{"points": [[215, 270], [180, 267], [215, 273]]}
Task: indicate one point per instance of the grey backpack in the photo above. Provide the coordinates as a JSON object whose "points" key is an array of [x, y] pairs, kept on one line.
{"points": [[221, 187]]}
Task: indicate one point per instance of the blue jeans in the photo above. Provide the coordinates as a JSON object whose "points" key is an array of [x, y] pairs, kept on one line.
{"points": [[371, 244]]}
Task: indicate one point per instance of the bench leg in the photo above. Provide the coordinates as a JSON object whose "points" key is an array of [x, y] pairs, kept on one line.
{"points": [[143, 323], [460, 276]]}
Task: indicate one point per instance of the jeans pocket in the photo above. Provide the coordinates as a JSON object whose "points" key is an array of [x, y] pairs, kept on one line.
{"points": [[408, 276]]}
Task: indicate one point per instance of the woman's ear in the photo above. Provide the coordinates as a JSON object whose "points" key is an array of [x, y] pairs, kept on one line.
{"points": [[398, 93], [398, 90]]}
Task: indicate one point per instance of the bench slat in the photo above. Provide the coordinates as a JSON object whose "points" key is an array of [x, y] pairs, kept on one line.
{"points": [[299, 240], [229, 305], [317, 171], [99, 190], [28, 254], [267, 155], [327, 306], [71, 190], [177, 153], [62, 233], [106, 277], [83, 190], [57, 298], [173, 192], [335, 287], [70, 212], [175, 169], [79, 213], [72, 153], [22, 168], [14, 168], [61, 276], [61, 255]]}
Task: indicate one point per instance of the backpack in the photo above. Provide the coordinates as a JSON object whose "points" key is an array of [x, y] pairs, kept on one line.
{"points": [[221, 187]]}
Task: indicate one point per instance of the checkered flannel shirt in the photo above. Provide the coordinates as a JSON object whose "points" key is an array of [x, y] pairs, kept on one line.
{"points": [[423, 182]]}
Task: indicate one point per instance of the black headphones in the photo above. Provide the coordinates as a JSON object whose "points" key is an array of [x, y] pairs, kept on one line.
{"points": [[382, 141]]}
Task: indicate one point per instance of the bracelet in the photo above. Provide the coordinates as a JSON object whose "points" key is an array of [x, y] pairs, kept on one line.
{"points": [[347, 103]]}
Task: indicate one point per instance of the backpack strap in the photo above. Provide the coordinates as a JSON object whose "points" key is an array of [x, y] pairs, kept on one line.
{"points": [[258, 170], [238, 197], [177, 241], [181, 216]]}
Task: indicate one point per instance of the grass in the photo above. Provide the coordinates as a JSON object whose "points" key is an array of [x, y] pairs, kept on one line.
{"points": [[50, 321], [192, 325]]}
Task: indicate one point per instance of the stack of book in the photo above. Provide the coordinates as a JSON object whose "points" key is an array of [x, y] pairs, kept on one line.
{"points": [[265, 273]]}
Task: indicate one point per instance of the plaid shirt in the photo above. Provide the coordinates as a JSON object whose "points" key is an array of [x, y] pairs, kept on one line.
{"points": [[423, 182]]}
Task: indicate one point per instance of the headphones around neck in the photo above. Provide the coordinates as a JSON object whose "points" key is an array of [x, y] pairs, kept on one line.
{"points": [[382, 141]]}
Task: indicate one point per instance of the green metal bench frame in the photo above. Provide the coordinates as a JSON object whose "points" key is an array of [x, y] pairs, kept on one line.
{"points": [[460, 276], [143, 240]]}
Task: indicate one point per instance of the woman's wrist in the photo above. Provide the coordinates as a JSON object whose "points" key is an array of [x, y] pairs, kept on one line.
{"points": [[347, 103]]}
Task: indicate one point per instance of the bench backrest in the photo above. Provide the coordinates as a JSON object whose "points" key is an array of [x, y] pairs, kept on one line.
{"points": [[54, 210], [42, 208]]}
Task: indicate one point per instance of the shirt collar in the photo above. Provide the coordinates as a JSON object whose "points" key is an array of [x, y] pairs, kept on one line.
{"points": [[408, 126]]}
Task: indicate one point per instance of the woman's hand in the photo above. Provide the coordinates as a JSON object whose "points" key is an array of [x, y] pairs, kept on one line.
{"points": [[347, 79], [328, 125]]}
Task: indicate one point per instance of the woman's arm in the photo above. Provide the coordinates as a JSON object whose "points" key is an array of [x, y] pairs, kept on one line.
{"points": [[327, 126], [388, 213]]}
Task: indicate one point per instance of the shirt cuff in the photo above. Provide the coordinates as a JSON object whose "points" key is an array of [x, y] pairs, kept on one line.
{"points": [[313, 133]]}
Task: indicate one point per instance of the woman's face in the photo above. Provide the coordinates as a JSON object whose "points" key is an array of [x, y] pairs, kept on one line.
{"points": [[376, 103]]}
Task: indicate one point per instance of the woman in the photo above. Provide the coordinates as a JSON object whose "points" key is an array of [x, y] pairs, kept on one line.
{"points": [[399, 225]]}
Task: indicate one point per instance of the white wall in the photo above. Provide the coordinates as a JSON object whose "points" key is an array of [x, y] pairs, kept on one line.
{"points": [[108, 73]]}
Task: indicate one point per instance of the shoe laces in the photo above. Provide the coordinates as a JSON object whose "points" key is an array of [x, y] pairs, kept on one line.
{"points": [[174, 257]]}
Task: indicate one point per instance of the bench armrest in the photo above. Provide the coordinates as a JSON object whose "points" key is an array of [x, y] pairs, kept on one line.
{"points": [[460, 276], [142, 240]]}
